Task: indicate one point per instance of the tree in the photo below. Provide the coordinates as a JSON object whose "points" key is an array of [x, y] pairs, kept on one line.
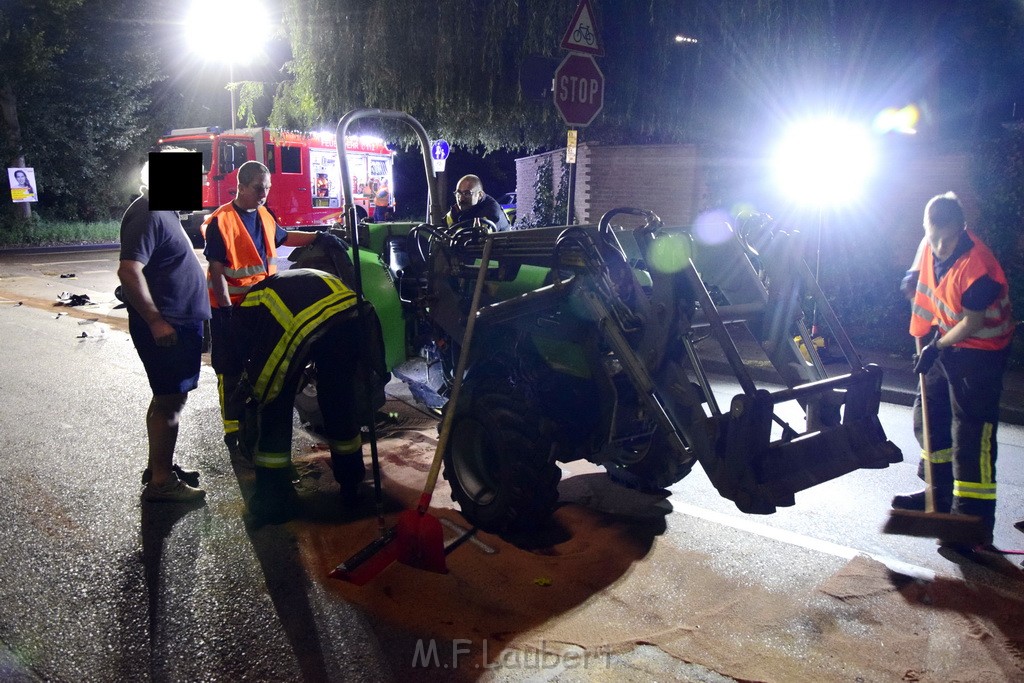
{"points": [[33, 34], [81, 103], [455, 64]]}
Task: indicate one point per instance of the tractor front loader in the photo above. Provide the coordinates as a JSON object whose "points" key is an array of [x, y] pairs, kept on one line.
{"points": [[586, 348]]}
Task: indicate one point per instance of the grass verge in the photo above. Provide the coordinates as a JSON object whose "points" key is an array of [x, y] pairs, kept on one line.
{"points": [[39, 232]]}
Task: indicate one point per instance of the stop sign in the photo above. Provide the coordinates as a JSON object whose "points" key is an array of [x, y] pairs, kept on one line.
{"points": [[579, 89]]}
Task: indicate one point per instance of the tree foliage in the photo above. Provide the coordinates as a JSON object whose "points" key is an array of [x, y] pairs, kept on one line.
{"points": [[456, 64], [80, 102]]}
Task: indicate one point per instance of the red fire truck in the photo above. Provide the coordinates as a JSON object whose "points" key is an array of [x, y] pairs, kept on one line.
{"points": [[304, 168]]}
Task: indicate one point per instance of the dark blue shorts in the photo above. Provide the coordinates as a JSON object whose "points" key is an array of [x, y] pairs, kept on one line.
{"points": [[171, 369]]}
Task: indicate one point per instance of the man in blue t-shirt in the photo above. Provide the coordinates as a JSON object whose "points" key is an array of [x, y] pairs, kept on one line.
{"points": [[164, 287]]}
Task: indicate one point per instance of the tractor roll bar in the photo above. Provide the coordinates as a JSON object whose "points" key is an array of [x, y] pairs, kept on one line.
{"points": [[435, 211]]}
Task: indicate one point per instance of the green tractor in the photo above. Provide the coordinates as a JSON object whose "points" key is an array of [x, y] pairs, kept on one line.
{"points": [[587, 345]]}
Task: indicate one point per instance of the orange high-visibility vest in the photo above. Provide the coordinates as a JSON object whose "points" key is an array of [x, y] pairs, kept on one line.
{"points": [[939, 303], [244, 266]]}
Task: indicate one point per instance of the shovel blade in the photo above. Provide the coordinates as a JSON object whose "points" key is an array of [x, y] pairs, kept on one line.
{"points": [[420, 541]]}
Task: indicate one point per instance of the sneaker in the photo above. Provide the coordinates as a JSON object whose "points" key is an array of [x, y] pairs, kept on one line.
{"points": [[916, 501], [175, 491], [190, 477]]}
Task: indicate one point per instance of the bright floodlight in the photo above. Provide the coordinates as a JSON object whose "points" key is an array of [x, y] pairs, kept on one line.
{"points": [[231, 31], [824, 162]]}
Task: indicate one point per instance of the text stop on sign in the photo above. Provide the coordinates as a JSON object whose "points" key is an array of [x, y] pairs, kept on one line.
{"points": [[583, 90], [579, 89]]}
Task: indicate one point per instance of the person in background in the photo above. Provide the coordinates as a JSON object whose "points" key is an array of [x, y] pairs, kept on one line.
{"points": [[381, 202], [960, 299], [163, 285], [286, 321], [472, 202], [241, 243]]}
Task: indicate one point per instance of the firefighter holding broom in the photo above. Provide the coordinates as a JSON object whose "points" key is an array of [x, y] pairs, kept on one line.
{"points": [[285, 322], [961, 315]]}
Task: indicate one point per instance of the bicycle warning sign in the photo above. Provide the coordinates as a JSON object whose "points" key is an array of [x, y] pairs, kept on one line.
{"points": [[581, 36]]}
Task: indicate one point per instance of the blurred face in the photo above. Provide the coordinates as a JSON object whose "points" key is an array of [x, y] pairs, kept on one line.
{"points": [[21, 177], [466, 195], [942, 240], [253, 195]]}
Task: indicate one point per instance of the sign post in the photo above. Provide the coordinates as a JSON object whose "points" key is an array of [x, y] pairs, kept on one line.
{"points": [[578, 87], [439, 150]]}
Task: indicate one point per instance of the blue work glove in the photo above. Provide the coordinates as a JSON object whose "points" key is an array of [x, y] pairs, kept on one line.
{"points": [[929, 354]]}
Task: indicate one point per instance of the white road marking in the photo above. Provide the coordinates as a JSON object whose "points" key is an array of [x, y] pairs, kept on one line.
{"points": [[63, 263], [799, 540]]}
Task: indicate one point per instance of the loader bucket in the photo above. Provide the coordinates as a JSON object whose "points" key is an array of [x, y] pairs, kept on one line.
{"points": [[759, 474]]}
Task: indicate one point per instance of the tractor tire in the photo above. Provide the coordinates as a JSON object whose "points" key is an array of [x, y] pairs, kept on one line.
{"points": [[499, 465], [662, 466], [659, 469]]}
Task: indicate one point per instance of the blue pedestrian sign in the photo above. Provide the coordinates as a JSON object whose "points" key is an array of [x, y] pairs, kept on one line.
{"points": [[439, 154], [439, 150]]}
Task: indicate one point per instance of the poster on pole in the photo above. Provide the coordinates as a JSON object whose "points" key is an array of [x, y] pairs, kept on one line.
{"points": [[23, 184]]}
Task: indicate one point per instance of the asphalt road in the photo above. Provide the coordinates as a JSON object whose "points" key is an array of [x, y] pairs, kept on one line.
{"points": [[95, 587]]}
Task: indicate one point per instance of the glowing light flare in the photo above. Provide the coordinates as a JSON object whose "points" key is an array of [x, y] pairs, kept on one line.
{"points": [[825, 162], [712, 227], [687, 40], [892, 120], [208, 20], [670, 253]]}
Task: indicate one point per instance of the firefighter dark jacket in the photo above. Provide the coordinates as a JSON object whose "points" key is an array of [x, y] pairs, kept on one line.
{"points": [[280, 318]]}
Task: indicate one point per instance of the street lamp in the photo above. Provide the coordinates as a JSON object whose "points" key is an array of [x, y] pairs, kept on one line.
{"points": [[824, 164], [227, 31]]}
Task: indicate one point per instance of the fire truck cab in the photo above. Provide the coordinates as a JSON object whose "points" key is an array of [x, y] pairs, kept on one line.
{"points": [[305, 172]]}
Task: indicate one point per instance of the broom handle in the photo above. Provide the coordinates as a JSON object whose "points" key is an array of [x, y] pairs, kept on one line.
{"points": [[926, 439], [446, 422]]}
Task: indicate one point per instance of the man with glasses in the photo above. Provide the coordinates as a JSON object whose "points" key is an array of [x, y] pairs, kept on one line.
{"points": [[472, 202]]}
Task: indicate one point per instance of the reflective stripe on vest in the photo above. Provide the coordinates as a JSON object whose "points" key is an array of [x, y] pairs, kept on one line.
{"points": [[940, 303], [244, 266], [297, 328]]}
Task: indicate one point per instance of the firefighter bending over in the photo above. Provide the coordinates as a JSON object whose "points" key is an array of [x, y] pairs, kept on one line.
{"points": [[285, 322]]}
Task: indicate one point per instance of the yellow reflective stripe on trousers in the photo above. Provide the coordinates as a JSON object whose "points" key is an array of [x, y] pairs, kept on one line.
{"points": [[970, 489], [939, 457], [347, 446], [985, 454], [230, 426], [986, 488], [272, 376], [272, 460]]}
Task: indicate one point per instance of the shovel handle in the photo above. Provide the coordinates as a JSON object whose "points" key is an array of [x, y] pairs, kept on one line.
{"points": [[453, 401], [926, 441]]}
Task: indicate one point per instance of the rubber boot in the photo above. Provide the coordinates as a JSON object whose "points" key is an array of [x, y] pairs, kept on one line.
{"points": [[916, 501], [274, 500], [349, 472]]}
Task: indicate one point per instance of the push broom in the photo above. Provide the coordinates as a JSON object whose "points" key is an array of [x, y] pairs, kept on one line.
{"points": [[946, 527]]}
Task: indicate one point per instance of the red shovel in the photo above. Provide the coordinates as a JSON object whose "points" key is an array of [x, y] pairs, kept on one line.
{"points": [[420, 538]]}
